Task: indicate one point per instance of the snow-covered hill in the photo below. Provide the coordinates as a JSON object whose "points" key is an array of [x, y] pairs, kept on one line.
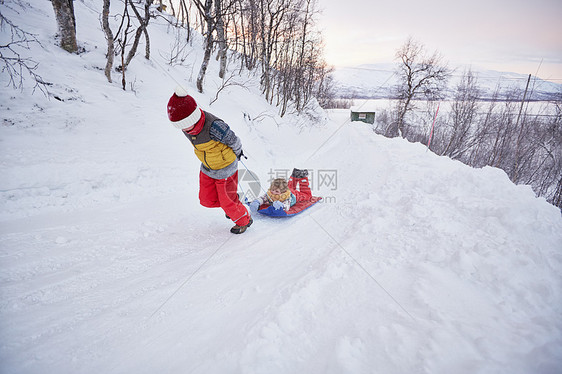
{"points": [[108, 264], [375, 81]]}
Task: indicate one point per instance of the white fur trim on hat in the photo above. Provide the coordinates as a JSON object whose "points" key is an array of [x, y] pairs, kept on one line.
{"points": [[180, 91], [190, 120]]}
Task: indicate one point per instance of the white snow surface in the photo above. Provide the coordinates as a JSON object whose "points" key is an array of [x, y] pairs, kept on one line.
{"points": [[108, 264]]}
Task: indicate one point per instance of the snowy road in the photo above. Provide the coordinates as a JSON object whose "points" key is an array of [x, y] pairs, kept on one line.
{"points": [[397, 272]]}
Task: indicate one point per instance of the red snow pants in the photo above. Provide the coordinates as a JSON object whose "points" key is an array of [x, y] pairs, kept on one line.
{"points": [[223, 193], [303, 193]]}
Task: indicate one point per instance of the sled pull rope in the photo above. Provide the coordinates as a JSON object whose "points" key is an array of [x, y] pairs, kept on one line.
{"points": [[255, 179]]}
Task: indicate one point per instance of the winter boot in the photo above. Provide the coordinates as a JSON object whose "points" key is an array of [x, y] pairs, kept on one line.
{"points": [[241, 229], [299, 174]]}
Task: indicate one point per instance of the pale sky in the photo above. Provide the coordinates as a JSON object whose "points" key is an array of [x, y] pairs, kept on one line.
{"points": [[503, 35]]}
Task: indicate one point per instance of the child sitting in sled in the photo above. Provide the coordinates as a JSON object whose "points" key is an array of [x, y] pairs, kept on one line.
{"points": [[283, 195]]}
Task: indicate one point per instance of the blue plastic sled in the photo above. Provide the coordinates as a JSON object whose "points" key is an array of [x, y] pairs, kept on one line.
{"points": [[298, 208]]}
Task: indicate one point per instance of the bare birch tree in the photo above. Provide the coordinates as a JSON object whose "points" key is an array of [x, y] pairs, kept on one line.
{"points": [[141, 30], [206, 12], [421, 76], [64, 12], [13, 63], [221, 36], [110, 41], [464, 112]]}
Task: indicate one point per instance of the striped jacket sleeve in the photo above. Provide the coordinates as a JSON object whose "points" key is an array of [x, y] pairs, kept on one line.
{"points": [[221, 132]]}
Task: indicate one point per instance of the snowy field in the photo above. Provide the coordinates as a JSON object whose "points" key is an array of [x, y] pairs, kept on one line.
{"points": [[426, 110], [108, 264], [376, 80]]}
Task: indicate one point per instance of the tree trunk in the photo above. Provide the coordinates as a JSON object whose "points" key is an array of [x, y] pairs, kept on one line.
{"points": [[208, 44], [109, 38], [64, 12], [143, 23], [221, 37]]}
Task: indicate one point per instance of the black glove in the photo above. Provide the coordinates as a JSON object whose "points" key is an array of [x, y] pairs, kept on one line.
{"points": [[241, 154]]}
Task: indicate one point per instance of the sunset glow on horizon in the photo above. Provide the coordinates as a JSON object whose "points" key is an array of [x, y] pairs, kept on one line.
{"points": [[516, 36]]}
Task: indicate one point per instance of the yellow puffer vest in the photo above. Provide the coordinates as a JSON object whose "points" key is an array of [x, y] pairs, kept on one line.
{"points": [[213, 154]]}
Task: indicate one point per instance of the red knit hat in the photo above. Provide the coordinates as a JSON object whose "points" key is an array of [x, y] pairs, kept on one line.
{"points": [[183, 110]]}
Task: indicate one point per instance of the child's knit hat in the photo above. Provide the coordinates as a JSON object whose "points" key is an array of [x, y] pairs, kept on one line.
{"points": [[183, 111]]}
